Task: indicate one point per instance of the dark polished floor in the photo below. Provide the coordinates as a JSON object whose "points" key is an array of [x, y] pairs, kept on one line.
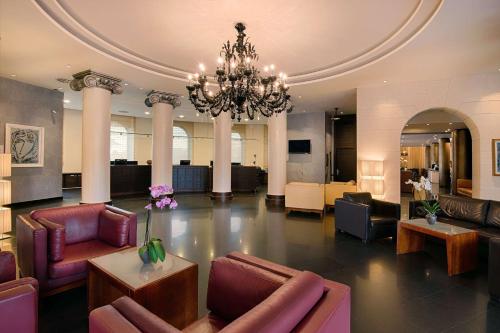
{"points": [[408, 293]]}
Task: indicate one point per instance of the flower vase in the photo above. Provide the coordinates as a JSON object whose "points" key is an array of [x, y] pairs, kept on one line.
{"points": [[431, 218]]}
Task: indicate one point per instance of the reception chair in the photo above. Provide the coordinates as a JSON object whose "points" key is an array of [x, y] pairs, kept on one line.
{"points": [[53, 244], [362, 216]]}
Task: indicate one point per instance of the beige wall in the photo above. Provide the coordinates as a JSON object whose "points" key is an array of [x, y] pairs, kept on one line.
{"points": [[201, 140], [384, 110]]}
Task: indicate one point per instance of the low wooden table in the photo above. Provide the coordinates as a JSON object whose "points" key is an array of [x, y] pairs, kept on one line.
{"points": [[169, 289], [461, 243]]}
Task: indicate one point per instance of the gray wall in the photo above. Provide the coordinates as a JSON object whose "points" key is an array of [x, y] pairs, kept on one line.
{"points": [[25, 104], [307, 167]]}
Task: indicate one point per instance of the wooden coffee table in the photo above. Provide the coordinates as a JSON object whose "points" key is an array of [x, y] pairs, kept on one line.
{"points": [[169, 289], [461, 243]]}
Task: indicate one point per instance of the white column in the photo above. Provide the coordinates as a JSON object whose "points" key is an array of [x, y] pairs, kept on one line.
{"points": [[277, 156], [163, 107], [222, 157], [96, 125]]}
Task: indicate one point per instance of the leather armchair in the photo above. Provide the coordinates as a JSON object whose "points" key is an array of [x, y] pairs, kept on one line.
{"points": [[54, 244], [281, 300], [362, 216], [18, 298]]}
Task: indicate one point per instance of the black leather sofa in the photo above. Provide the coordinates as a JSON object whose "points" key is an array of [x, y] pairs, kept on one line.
{"points": [[477, 214], [480, 215], [362, 216]]}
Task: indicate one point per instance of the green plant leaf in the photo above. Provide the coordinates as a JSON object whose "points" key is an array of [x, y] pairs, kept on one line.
{"points": [[152, 252], [160, 250]]}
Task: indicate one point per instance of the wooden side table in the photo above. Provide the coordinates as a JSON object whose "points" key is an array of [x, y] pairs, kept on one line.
{"points": [[168, 289], [461, 243]]}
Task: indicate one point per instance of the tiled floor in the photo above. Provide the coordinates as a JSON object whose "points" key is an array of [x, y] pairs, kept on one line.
{"points": [[409, 293]]}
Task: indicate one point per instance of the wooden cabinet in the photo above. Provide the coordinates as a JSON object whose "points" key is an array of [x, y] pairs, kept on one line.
{"points": [[344, 149]]}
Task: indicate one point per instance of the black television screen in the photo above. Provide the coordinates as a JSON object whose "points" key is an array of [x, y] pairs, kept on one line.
{"points": [[299, 146]]}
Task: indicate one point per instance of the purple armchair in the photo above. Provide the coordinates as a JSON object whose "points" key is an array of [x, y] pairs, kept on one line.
{"points": [[245, 294], [53, 244], [18, 298]]}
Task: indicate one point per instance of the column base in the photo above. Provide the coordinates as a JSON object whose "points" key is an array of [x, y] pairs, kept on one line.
{"points": [[221, 196], [110, 202], [275, 200]]}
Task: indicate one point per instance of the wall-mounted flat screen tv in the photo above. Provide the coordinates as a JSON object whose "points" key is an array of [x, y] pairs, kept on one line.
{"points": [[299, 146]]}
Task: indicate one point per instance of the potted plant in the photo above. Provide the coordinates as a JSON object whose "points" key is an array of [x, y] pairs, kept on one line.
{"points": [[161, 197], [431, 209]]}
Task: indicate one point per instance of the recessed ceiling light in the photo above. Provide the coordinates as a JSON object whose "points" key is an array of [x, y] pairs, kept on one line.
{"points": [[300, 96], [67, 101], [385, 81], [212, 118], [147, 112], [407, 125], [450, 123], [12, 75], [125, 84], [141, 88], [428, 124], [181, 116], [197, 114], [68, 66], [246, 119]]}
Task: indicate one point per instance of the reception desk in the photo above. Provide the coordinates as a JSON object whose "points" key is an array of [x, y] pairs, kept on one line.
{"points": [[136, 179]]}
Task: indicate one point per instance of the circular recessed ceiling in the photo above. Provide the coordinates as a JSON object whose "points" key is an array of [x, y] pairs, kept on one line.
{"points": [[310, 40]]}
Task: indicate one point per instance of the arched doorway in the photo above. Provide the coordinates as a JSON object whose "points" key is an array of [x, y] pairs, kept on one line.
{"points": [[441, 144]]}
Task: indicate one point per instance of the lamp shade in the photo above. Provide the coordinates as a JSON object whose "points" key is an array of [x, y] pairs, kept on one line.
{"points": [[5, 165], [372, 177], [5, 189], [5, 220]]}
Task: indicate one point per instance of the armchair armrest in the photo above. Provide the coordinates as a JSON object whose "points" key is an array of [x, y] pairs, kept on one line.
{"points": [[352, 217], [7, 266], [386, 208], [19, 282], [31, 248], [19, 309], [56, 239], [125, 315], [132, 238]]}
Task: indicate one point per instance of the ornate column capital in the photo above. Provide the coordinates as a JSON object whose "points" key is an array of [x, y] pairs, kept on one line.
{"points": [[90, 79], [155, 96]]}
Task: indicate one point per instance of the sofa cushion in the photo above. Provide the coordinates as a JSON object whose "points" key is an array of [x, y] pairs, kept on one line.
{"points": [[473, 210], [486, 233], [56, 234], [81, 221], [493, 218], [76, 256], [285, 308], [359, 197], [207, 324], [113, 228], [235, 287]]}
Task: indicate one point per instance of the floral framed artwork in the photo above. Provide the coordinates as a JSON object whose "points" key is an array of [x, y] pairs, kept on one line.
{"points": [[25, 144], [496, 156]]}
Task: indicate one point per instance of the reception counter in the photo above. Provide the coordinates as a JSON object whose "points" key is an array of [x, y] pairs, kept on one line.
{"points": [[136, 179]]}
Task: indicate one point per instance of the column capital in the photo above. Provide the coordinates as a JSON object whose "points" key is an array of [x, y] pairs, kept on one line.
{"points": [[90, 79], [155, 96]]}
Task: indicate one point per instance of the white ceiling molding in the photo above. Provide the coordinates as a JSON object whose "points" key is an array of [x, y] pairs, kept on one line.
{"points": [[401, 33]]}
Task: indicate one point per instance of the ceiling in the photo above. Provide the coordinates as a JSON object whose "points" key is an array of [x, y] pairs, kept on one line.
{"points": [[328, 48]]}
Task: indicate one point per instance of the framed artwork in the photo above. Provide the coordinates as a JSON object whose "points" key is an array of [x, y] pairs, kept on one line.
{"points": [[25, 144], [496, 156]]}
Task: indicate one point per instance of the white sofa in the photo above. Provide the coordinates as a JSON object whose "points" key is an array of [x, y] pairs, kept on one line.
{"points": [[305, 197]]}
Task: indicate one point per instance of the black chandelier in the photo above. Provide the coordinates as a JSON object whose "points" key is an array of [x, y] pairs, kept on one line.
{"points": [[241, 88]]}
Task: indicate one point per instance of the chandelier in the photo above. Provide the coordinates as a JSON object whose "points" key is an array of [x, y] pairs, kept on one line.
{"points": [[241, 88]]}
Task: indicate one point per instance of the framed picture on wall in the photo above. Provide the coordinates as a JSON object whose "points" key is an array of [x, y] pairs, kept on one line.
{"points": [[496, 157], [25, 144]]}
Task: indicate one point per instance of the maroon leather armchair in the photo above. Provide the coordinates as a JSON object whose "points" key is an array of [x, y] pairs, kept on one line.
{"points": [[18, 298], [245, 294], [53, 244]]}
